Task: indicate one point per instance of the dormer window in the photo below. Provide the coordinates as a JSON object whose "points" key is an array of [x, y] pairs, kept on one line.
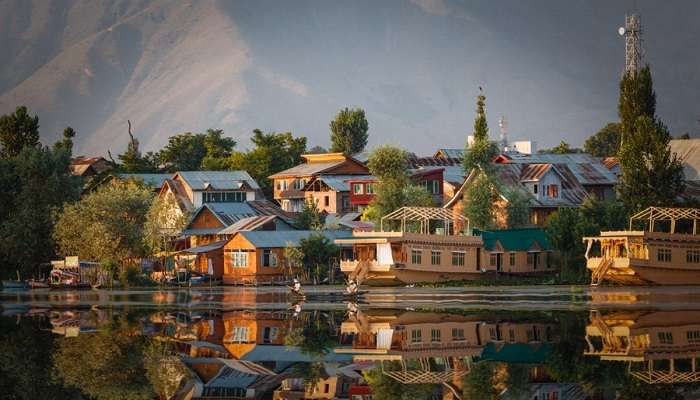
{"points": [[223, 197], [553, 191]]}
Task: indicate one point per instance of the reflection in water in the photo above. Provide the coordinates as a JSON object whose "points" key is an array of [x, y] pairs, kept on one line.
{"points": [[360, 353]]}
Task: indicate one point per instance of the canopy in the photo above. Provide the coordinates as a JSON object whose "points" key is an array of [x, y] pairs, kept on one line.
{"points": [[424, 215], [653, 214]]}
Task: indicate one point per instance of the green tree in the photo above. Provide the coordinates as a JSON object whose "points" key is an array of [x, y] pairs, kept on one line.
{"points": [[310, 217], [387, 388], [517, 208], [650, 174], [67, 141], [17, 131], [349, 131], [561, 148], [184, 152], [317, 150], [106, 225], [273, 152], [162, 225], [35, 183], [479, 384], [219, 149], [164, 369], [482, 150], [318, 251], [606, 142], [478, 201], [637, 99], [517, 381]]}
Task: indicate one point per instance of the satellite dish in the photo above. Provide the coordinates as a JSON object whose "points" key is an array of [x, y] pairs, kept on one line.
{"points": [[621, 31]]}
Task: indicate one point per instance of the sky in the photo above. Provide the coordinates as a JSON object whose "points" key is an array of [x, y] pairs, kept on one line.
{"points": [[551, 68]]}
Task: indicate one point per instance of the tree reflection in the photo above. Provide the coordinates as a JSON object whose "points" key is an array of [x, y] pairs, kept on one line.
{"points": [[387, 388]]}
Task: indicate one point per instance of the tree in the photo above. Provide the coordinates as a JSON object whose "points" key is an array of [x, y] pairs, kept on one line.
{"points": [[106, 225], [317, 150], [387, 388], [479, 200], [637, 99], [309, 217], [318, 251], [349, 131], [132, 161], [17, 131], [219, 148], [482, 151], [606, 142], [67, 141], [164, 369], [294, 263], [162, 226], [184, 152], [273, 152], [479, 384], [561, 148], [650, 174], [35, 183], [517, 208]]}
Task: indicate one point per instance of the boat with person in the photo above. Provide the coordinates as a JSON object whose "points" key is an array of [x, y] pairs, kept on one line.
{"points": [[661, 247]]}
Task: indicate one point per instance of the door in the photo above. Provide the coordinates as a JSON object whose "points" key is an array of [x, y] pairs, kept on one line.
{"points": [[499, 262]]}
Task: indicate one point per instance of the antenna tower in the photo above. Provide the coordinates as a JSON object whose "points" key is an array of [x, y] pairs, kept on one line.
{"points": [[503, 125], [632, 31]]}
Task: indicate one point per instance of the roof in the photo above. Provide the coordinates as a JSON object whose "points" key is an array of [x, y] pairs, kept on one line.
{"points": [[339, 183], [289, 238], [450, 153], [290, 354], [587, 169], [266, 207], [514, 353], [415, 161], [206, 248], [228, 213], [248, 224], [534, 172], [307, 169], [515, 239], [219, 180], [154, 180], [611, 162], [688, 152]]}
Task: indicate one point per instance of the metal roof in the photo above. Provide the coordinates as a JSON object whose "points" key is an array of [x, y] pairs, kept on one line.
{"points": [[288, 238], [587, 169], [688, 152], [415, 161], [228, 213], [206, 248], [219, 180], [534, 172], [154, 180], [339, 183], [248, 224], [451, 153], [307, 169]]}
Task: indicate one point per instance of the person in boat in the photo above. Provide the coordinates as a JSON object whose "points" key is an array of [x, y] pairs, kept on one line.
{"points": [[351, 288], [297, 310], [296, 287]]}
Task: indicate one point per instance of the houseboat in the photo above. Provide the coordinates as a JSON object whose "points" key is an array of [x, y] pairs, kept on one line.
{"points": [[666, 251], [74, 273]]}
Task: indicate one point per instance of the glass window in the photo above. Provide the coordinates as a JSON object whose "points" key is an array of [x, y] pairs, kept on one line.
{"points": [[692, 256], [433, 186], [435, 257], [239, 259], [663, 255], [693, 337], [457, 334], [458, 258], [416, 256], [369, 188], [327, 200], [269, 258], [534, 188], [435, 335], [223, 197], [666, 337], [511, 335], [512, 259], [357, 188], [239, 334], [553, 191], [416, 336], [493, 259]]}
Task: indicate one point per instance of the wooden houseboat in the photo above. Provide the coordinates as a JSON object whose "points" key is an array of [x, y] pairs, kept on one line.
{"points": [[74, 273], [427, 246], [666, 251]]}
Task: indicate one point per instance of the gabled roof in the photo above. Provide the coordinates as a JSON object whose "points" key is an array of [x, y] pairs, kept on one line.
{"points": [[249, 224], [217, 180], [523, 239], [326, 164], [227, 213], [277, 239], [266, 207], [587, 169], [534, 172], [338, 183], [415, 161], [155, 181], [449, 153]]}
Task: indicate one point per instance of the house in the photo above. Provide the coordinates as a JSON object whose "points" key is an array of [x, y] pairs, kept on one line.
{"points": [[517, 251], [289, 184], [334, 383], [688, 152], [256, 257], [331, 193], [362, 188], [226, 379], [88, 166]]}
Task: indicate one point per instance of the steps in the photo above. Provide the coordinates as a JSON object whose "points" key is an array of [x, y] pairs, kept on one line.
{"points": [[600, 271]]}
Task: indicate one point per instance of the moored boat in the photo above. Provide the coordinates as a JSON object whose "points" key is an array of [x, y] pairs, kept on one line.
{"points": [[76, 274], [666, 251]]}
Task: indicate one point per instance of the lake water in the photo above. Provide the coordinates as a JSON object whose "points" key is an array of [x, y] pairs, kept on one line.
{"points": [[393, 343]]}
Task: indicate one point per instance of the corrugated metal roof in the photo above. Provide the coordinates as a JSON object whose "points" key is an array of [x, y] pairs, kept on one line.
{"points": [[154, 180], [307, 169], [200, 231], [205, 248], [416, 162], [587, 169], [451, 153], [688, 152], [611, 162], [266, 207], [228, 213], [220, 180], [339, 183], [247, 224], [289, 238], [534, 172]]}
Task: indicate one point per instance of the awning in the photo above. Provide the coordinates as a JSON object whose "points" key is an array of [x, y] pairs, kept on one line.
{"points": [[206, 248]]}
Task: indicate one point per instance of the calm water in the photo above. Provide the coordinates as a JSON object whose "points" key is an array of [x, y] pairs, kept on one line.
{"points": [[409, 343]]}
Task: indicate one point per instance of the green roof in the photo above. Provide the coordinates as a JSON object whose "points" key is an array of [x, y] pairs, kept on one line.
{"points": [[517, 353], [514, 239]]}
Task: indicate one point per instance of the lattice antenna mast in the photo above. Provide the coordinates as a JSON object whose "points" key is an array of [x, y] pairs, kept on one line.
{"points": [[632, 31], [503, 125]]}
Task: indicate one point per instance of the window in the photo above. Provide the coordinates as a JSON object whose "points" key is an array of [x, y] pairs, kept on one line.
{"points": [[511, 335], [326, 388], [435, 335], [457, 334], [493, 334], [369, 188], [239, 334], [346, 202], [663, 255], [416, 256], [416, 336], [666, 337], [533, 260], [239, 259], [493, 259], [693, 337], [270, 334], [223, 197], [283, 185], [357, 188], [435, 257], [269, 258], [553, 191], [327, 200], [512, 259], [458, 258], [692, 256], [433, 187], [534, 188]]}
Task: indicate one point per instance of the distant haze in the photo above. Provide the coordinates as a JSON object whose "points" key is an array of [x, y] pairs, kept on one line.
{"points": [[551, 67]]}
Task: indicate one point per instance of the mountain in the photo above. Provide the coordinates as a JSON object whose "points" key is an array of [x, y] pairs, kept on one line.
{"points": [[414, 66]]}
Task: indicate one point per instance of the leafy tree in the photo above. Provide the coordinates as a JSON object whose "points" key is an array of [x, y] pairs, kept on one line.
{"points": [[132, 161], [35, 183], [162, 225], [349, 131], [273, 152], [310, 217], [650, 173], [561, 148], [517, 381], [184, 152], [637, 99], [67, 141], [517, 209], [317, 250], [164, 369], [479, 384], [482, 151], [317, 150], [606, 142], [478, 201], [387, 388], [17, 131], [294, 263], [104, 366], [106, 225]]}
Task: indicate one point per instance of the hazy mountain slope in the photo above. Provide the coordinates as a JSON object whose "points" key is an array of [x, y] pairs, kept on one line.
{"points": [[171, 66]]}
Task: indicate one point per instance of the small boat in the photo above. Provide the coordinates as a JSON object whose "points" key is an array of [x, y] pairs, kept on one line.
{"points": [[7, 284], [37, 284]]}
